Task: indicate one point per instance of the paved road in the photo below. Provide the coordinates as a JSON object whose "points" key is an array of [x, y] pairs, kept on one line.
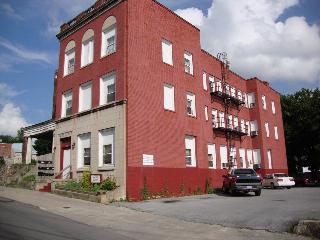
{"points": [[275, 210], [21, 221]]}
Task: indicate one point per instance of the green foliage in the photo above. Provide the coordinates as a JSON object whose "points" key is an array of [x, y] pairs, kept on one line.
{"points": [[11, 139], [108, 184], [29, 178], [198, 191], [144, 192], [85, 181], [33, 162], [301, 116], [182, 189], [73, 185], [43, 146]]}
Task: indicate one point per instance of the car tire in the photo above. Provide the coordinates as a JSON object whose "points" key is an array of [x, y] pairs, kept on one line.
{"points": [[224, 189], [233, 192], [257, 193], [288, 187], [272, 186]]}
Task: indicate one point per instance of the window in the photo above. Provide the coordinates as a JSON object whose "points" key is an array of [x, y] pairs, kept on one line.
{"points": [[87, 48], [85, 97], [221, 120], [204, 81], [108, 88], [211, 82], [236, 123], [66, 109], [256, 156], [266, 125], [230, 123], [109, 36], [227, 88], [191, 104], [206, 113], [212, 156], [215, 118], [69, 58], [248, 130], [264, 104], [84, 150], [188, 65], [251, 100], [242, 153], [249, 157], [243, 126], [106, 147], [239, 94], [254, 128], [190, 145], [167, 52], [269, 158], [233, 155], [218, 86], [223, 156], [233, 92], [276, 136], [273, 107], [245, 99], [168, 97]]}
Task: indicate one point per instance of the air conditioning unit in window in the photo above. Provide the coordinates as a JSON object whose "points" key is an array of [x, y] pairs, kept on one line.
{"points": [[252, 105], [256, 166], [254, 133], [224, 165]]}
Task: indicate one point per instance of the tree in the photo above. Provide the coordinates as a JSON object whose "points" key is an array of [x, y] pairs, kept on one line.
{"points": [[301, 117], [43, 146], [11, 139]]}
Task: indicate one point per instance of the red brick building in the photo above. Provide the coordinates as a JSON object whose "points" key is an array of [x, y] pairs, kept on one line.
{"points": [[6, 150], [138, 99]]}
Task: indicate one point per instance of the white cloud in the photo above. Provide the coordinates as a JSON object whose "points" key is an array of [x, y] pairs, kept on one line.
{"points": [[25, 54], [11, 119], [258, 43], [193, 15], [9, 11]]}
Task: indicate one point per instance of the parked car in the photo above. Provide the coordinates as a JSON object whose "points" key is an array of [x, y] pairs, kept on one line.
{"points": [[276, 180], [306, 180], [242, 180]]}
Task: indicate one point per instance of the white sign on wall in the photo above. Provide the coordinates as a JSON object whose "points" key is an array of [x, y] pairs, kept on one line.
{"points": [[148, 160]]}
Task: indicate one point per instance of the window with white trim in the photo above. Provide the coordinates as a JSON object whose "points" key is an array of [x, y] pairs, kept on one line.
{"points": [[233, 92], [221, 120], [266, 125], [109, 36], [87, 48], [254, 128], [251, 100], [84, 150], [206, 113], [188, 64], [108, 88], [214, 118], [245, 99], [190, 146], [273, 107], [69, 58], [223, 156], [264, 103], [168, 97], [204, 81], [256, 156], [230, 122], [191, 104], [85, 97], [212, 156], [269, 154], [166, 51], [276, 136], [106, 147], [236, 123], [66, 109], [243, 126], [211, 84]]}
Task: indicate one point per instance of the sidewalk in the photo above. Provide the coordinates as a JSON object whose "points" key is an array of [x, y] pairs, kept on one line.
{"points": [[134, 224]]}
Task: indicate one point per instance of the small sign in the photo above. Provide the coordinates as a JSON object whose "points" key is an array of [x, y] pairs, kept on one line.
{"points": [[95, 178], [148, 159]]}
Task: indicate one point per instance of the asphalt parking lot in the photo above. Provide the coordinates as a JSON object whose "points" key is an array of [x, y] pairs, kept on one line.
{"points": [[275, 210]]}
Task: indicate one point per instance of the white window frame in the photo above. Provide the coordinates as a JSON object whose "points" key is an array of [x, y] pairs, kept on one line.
{"points": [[65, 99], [251, 100], [273, 107], [106, 137], [206, 113], [223, 156], [166, 52], [276, 134], [191, 98], [112, 31], [105, 82], [190, 143], [213, 158], [82, 105], [266, 125], [168, 97], [188, 64], [214, 114], [80, 149], [204, 81], [67, 57], [264, 102], [269, 155], [87, 52]]}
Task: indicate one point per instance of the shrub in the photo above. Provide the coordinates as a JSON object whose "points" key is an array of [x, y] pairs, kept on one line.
{"points": [[108, 184], [73, 185], [144, 192], [85, 181], [29, 178]]}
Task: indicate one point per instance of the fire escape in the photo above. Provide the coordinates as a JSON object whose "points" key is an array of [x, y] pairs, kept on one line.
{"points": [[221, 92]]}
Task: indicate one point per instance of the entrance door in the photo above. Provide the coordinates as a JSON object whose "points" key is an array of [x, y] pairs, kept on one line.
{"points": [[66, 162]]}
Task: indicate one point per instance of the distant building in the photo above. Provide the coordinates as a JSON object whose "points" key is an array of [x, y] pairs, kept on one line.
{"points": [[6, 150]]}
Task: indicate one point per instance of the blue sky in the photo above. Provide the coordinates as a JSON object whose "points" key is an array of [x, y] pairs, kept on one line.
{"points": [[29, 49]]}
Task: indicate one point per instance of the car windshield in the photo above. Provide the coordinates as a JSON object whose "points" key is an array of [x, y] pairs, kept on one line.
{"points": [[280, 175], [244, 172]]}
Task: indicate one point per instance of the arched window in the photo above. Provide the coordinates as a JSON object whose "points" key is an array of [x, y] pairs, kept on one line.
{"points": [[87, 48], [69, 58], [109, 36]]}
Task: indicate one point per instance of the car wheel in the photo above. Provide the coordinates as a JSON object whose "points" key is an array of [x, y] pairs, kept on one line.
{"points": [[288, 187], [257, 193], [233, 192], [272, 186]]}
